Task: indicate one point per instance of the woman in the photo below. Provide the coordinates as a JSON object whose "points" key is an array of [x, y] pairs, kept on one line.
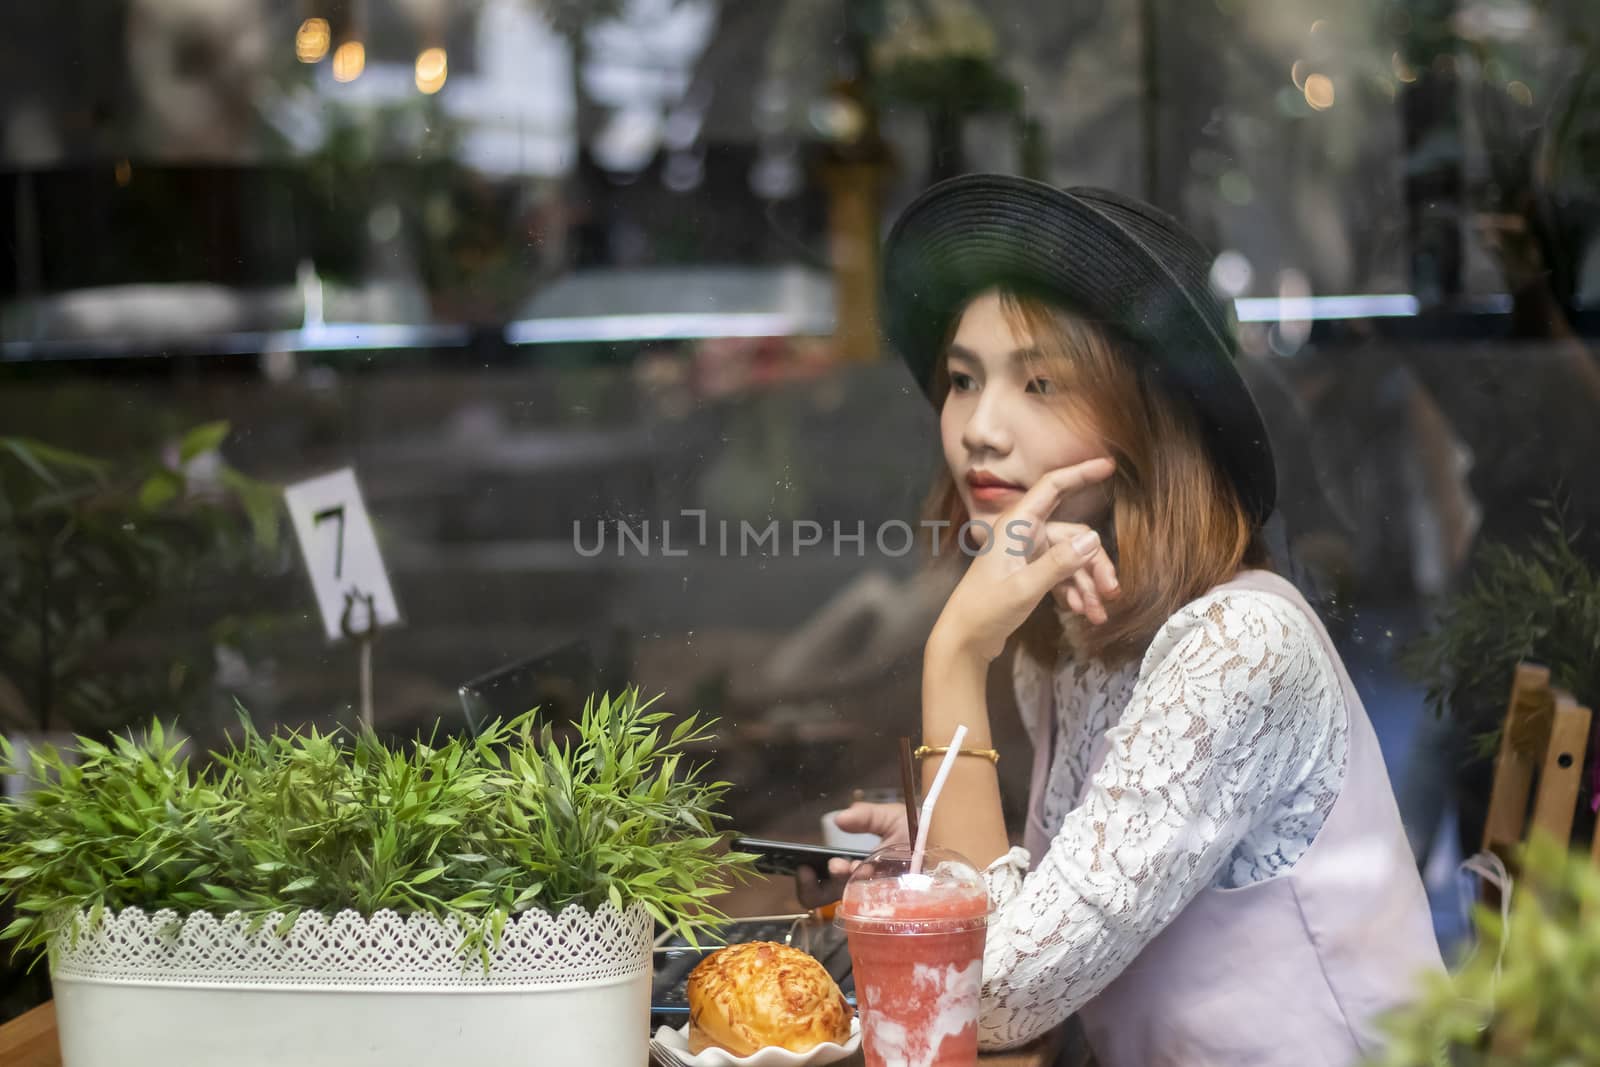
{"points": [[1215, 869]]}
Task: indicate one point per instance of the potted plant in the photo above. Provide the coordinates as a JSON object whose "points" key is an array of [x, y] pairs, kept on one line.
{"points": [[1539, 1003], [326, 898], [1539, 604]]}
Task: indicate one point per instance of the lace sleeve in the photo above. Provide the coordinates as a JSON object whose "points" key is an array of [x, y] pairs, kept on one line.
{"points": [[1227, 714]]}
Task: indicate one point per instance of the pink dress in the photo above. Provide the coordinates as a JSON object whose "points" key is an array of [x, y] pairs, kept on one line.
{"points": [[1293, 969]]}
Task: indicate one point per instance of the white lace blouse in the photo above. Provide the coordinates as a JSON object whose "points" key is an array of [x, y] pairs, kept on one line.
{"points": [[1224, 751]]}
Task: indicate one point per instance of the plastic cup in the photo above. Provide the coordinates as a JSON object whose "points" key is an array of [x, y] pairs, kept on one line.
{"points": [[916, 951]]}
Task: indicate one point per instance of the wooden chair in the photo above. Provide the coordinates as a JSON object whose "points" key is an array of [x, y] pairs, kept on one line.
{"points": [[1539, 767]]}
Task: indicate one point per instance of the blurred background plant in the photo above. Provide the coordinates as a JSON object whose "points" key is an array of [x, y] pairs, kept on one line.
{"points": [[1539, 603], [1539, 1004], [941, 57], [433, 220], [1537, 202], [93, 551], [1536, 603]]}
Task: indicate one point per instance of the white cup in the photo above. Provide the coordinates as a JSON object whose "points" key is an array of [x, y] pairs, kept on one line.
{"points": [[834, 837]]}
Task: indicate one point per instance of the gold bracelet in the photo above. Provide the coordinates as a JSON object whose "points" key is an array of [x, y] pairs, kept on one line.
{"points": [[938, 750]]}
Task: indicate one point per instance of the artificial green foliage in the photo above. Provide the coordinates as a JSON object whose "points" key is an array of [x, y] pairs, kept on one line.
{"points": [[1540, 604], [475, 828], [1545, 1005]]}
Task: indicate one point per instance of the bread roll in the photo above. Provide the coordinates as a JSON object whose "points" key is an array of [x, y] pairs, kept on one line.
{"points": [[748, 997]]}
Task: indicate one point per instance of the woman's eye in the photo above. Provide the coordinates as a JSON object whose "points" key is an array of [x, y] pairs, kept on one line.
{"points": [[1042, 386], [961, 382]]}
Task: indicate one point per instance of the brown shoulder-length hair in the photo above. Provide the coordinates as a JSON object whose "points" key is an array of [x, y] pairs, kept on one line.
{"points": [[1176, 526]]}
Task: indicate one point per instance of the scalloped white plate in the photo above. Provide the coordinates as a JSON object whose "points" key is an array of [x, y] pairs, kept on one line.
{"points": [[676, 1042]]}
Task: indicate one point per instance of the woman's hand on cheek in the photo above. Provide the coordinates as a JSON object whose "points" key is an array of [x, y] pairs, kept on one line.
{"points": [[1088, 589], [1026, 558]]}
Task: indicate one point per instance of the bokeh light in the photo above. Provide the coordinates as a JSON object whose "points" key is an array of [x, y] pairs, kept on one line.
{"points": [[349, 60], [1319, 91], [1231, 274], [433, 67], [311, 40], [1236, 187]]}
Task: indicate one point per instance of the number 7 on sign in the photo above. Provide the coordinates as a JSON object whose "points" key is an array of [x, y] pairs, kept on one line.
{"points": [[351, 561], [335, 513]]}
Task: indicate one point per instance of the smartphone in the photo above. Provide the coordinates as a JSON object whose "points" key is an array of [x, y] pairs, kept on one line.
{"points": [[786, 857]]}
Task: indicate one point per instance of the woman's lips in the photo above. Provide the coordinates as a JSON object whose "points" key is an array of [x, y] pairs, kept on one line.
{"points": [[995, 494], [987, 489]]}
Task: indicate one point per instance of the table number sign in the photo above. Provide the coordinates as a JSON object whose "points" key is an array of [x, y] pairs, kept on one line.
{"points": [[341, 554]]}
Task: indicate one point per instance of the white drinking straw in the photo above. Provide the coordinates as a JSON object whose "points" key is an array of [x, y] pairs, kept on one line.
{"points": [[933, 796]]}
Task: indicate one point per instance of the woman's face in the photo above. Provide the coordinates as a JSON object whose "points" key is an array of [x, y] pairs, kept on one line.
{"points": [[1006, 423]]}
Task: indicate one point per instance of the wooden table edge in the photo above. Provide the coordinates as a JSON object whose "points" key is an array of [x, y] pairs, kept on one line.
{"points": [[29, 1040]]}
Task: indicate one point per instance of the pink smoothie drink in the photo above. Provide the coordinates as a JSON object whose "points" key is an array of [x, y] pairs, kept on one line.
{"points": [[916, 950]]}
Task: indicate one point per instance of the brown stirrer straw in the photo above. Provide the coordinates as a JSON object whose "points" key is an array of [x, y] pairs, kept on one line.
{"points": [[908, 786]]}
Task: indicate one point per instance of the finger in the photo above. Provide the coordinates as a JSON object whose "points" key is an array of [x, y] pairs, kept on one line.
{"points": [[1055, 566], [863, 817], [891, 823], [858, 818], [1057, 533], [1074, 598], [838, 867], [887, 819], [1040, 499], [1105, 577], [1106, 585], [807, 887], [1061, 594], [812, 891], [1093, 610]]}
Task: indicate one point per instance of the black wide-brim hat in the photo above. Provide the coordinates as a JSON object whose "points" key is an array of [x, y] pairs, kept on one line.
{"points": [[1105, 257]]}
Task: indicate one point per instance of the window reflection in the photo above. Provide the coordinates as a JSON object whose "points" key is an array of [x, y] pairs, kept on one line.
{"points": [[543, 272]]}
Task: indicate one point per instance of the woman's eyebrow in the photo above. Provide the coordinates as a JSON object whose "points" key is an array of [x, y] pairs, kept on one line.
{"points": [[1016, 355]]}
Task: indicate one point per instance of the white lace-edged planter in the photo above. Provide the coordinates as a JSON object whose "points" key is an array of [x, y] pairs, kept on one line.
{"points": [[163, 990]]}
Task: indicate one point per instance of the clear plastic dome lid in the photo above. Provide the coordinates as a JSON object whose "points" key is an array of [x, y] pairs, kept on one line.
{"points": [[884, 896]]}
